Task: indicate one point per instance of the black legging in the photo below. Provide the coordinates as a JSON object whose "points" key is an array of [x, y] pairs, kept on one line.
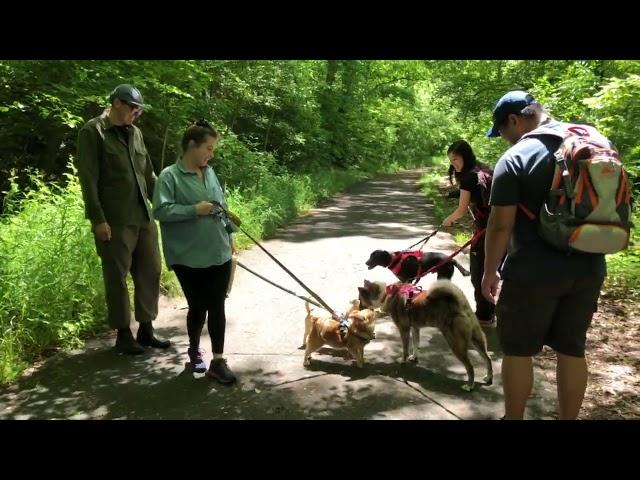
{"points": [[206, 291], [484, 308]]}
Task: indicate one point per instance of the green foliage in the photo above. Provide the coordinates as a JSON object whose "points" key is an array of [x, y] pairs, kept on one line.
{"points": [[623, 268], [51, 289], [617, 113]]}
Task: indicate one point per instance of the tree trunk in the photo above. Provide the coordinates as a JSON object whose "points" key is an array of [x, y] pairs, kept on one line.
{"points": [[164, 147]]}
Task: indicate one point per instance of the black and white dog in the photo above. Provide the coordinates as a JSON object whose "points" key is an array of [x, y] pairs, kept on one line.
{"points": [[407, 265]]}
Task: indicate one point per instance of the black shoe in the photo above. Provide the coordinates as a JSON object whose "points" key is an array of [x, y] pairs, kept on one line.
{"points": [[126, 344], [147, 338], [219, 370]]}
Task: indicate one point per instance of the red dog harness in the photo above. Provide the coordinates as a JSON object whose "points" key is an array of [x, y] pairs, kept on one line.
{"points": [[399, 257], [405, 290]]}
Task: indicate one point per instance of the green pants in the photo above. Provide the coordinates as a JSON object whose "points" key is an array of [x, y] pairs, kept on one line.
{"points": [[132, 248]]}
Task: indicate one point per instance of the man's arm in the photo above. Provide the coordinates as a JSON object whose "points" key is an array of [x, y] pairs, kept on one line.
{"points": [[87, 163], [499, 229]]}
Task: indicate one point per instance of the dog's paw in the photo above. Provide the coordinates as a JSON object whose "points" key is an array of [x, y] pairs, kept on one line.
{"points": [[488, 380], [467, 388], [413, 358], [306, 362], [302, 347]]}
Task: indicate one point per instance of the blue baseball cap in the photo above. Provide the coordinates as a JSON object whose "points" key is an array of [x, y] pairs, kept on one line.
{"points": [[512, 102]]}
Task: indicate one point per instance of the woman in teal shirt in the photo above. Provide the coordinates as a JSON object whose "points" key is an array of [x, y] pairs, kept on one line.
{"points": [[196, 241]]}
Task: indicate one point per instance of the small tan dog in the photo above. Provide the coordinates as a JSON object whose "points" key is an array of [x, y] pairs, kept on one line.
{"points": [[324, 330]]}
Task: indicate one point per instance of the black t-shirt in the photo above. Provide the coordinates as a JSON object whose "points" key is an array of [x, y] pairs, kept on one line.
{"points": [[470, 182]]}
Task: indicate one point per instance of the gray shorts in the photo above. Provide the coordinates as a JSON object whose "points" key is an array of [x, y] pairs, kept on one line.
{"points": [[554, 312]]}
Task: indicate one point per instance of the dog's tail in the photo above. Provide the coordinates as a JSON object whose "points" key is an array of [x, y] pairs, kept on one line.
{"points": [[463, 270]]}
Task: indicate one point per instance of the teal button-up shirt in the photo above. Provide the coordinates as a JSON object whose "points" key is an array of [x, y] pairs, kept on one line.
{"points": [[197, 241]]}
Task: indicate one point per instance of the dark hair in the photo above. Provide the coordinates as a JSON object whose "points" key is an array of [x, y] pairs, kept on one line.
{"points": [[469, 160], [198, 132]]}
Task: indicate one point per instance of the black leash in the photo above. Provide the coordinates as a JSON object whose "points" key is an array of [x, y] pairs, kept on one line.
{"points": [[424, 240], [278, 286], [313, 294]]}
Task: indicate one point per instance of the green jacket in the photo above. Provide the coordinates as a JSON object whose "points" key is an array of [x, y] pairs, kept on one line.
{"points": [[196, 241], [117, 180]]}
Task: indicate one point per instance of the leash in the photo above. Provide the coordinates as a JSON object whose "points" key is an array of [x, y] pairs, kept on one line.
{"points": [[424, 240], [291, 274], [472, 241], [344, 322], [313, 302], [313, 294]]}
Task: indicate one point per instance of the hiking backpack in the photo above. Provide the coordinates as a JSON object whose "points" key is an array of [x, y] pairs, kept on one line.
{"points": [[588, 206]]}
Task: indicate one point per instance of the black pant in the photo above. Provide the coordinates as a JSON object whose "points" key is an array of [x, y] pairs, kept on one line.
{"points": [[484, 308], [206, 292]]}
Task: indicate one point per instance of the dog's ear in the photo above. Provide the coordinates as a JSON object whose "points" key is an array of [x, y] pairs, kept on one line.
{"points": [[367, 283], [362, 289]]}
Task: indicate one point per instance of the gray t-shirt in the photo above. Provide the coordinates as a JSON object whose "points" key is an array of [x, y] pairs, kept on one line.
{"points": [[523, 175]]}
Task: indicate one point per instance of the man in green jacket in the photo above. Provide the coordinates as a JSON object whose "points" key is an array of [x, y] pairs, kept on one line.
{"points": [[117, 180]]}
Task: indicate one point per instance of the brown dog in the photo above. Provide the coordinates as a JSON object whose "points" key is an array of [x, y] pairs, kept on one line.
{"points": [[324, 330], [444, 306]]}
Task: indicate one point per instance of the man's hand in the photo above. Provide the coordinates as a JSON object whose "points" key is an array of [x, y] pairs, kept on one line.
{"points": [[491, 284], [102, 231]]}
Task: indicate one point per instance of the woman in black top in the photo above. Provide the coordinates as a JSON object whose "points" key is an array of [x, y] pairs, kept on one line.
{"points": [[474, 180]]}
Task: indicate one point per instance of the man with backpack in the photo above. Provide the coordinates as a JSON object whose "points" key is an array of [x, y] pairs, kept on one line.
{"points": [[559, 202]]}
